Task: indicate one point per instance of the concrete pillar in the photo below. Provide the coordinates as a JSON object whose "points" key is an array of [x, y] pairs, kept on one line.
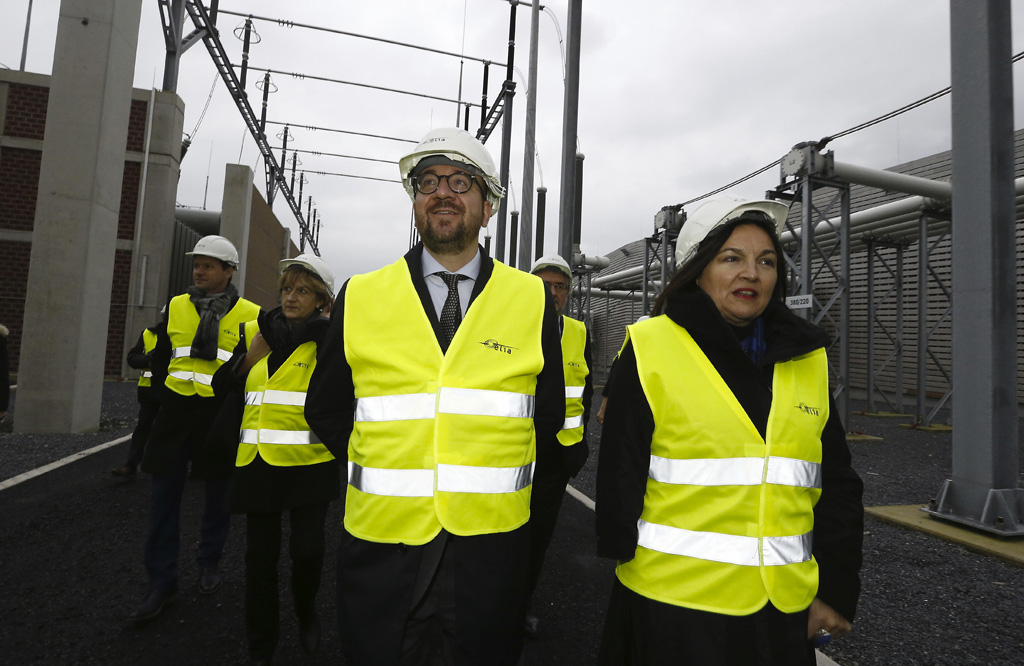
{"points": [[67, 305], [235, 211], [154, 225]]}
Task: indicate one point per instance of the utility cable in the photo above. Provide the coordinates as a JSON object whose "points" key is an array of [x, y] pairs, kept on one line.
{"points": [[292, 24], [313, 128], [831, 137], [299, 75]]}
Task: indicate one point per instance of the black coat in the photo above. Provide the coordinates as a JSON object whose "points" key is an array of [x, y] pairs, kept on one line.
{"points": [[259, 486], [376, 580], [183, 423], [629, 426]]}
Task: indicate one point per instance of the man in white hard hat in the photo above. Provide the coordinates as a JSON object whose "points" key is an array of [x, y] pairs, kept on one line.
{"points": [[197, 336], [440, 384], [579, 392]]}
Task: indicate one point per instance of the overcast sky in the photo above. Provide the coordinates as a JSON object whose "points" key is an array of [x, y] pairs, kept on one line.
{"points": [[676, 98]]}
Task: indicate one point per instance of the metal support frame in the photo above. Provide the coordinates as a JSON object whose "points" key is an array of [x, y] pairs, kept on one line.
{"points": [[984, 491], [206, 30], [925, 270], [894, 334], [659, 258], [832, 213]]}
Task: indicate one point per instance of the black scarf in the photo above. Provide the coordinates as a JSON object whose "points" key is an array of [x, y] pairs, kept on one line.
{"points": [[211, 308]]}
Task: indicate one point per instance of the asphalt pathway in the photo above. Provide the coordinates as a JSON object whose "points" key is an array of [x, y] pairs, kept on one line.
{"points": [[71, 544]]}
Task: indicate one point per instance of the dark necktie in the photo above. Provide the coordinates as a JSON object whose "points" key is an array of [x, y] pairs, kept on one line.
{"points": [[451, 313]]}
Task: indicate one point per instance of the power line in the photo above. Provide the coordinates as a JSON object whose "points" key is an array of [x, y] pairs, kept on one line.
{"points": [[314, 128], [856, 128], [293, 24], [351, 157], [348, 175], [298, 75]]}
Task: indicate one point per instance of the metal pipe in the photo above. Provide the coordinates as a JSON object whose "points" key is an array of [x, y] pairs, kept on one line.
{"points": [[530, 149], [621, 275], [542, 200], [893, 181], [570, 122]]}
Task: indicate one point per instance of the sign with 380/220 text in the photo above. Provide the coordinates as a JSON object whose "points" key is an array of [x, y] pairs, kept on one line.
{"points": [[799, 302]]}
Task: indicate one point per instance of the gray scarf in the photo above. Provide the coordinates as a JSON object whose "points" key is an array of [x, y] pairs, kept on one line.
{"points": [[211, 308]]}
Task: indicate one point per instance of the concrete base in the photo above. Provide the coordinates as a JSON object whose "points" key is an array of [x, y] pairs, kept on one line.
{"points": [[915, 518]]}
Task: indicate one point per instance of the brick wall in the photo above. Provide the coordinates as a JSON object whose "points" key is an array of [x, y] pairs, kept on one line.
{"points": [[118, 312], [19, 184], [129, 200], [26, 111], [13, 285]]}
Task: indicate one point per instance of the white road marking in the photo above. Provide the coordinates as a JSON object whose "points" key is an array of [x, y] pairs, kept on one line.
{"points": [[15, 480]]}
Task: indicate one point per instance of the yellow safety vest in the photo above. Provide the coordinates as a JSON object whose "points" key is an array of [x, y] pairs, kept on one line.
{"points": [[274, 420], [441, 440], [193, 376], [574, 342], [728, 517], [148, 345]]}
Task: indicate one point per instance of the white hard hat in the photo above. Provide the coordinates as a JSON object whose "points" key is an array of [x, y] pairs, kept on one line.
{"points": [[314, 265], [713, 213], [554, 262], [217, 247], [459, 146]]}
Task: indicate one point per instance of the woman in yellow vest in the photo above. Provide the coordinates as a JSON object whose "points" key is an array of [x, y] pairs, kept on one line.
{"points": [[280, 464], [725, 489]]}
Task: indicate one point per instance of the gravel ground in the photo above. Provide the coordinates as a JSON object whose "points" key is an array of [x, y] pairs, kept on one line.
{"points": [[70, 568]]}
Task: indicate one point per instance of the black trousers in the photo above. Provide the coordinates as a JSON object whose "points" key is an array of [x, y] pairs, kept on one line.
{"points": [[262, 553], [472, 613], [147, 414], [639, 631]]}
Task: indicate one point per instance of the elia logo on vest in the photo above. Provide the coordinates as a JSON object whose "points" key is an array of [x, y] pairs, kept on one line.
{"points": [[300, 364], [807, 409], [497, 346], [230, 332]]}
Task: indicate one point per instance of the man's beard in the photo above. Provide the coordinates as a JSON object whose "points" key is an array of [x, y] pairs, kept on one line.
{"points": [[456, 239]]}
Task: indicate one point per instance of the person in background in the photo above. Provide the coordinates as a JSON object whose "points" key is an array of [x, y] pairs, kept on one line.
{"points": [[725, 488], [149, 389], [196, 337], [579, 393], [439, 387], [280, 466]]}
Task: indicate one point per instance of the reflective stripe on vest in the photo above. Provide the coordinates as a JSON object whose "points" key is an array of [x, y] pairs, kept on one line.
{"points": [[147, 374], [223, 355], [194, 376], [574, 343], [273, 421], [728, 516], [441, 440], [475, 402], [736, 471], [727, 548], [281, 437], [450, 478]]}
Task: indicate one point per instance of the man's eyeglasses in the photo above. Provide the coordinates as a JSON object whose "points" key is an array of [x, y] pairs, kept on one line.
{"points": [[557, 286], [429, 182]]}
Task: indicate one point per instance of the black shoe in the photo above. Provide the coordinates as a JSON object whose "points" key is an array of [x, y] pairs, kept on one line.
{"points": [[531, 626], [309, 634], [209, 580], [123, 472], [154, 602]]}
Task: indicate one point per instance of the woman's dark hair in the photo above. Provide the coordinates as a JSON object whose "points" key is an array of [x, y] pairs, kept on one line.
{"points": [[685, 278]]}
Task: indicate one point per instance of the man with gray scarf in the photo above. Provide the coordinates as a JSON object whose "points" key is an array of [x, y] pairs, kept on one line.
{"points": [[198, 334]]}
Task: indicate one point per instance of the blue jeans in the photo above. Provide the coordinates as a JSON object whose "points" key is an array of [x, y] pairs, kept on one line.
{"points": [[163, 536]]}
